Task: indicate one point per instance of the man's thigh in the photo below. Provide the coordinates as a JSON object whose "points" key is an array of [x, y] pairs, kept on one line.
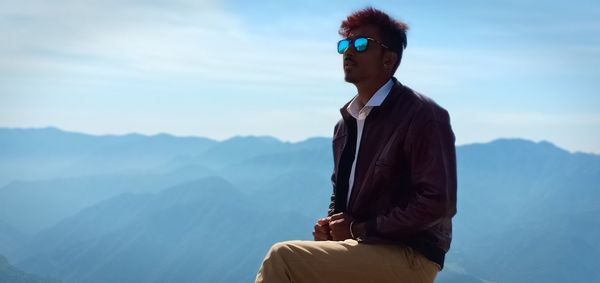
{"points": [[350, 261]]}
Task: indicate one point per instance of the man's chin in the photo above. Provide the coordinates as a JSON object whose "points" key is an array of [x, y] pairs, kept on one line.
{"points": [[349, 78]]}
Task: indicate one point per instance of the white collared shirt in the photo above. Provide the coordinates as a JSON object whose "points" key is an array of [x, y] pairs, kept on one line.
{"points": [[360, 114]]}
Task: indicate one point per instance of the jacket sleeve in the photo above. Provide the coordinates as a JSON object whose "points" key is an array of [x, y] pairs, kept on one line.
{"points": [[336, 133], [432, 160], [332, 203]]}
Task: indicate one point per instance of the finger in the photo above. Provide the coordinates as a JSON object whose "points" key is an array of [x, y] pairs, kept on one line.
{"points": [[334, 229], [337, 216], [335, 223], [321, 236], [323, 229], [323, 221]]}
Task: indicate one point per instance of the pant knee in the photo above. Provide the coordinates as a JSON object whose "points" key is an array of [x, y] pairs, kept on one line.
{"points": [[281, 250]]}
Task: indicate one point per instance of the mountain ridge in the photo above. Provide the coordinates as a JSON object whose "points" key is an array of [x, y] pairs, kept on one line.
{"points": [[514, 195]]}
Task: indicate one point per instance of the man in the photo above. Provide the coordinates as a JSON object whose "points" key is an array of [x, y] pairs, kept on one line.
{"points": [[394, 179]]}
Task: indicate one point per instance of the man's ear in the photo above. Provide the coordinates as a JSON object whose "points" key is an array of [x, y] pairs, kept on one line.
{"points": [[389, 60]]}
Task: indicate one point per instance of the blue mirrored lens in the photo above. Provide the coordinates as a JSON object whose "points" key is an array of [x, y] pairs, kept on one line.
{"points": [[360, 44], [343, 45]]}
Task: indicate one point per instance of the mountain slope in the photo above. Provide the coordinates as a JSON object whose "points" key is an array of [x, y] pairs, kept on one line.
{"points": [[200, 231], [34, 205], [11, 274], [529, 210], [10, 239]]}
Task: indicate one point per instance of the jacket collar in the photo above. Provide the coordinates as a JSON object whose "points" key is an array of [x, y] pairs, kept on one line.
{"points": [[395, 91]]}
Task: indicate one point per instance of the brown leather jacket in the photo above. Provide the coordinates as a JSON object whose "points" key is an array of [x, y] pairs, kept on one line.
{"points": [[405, 177]]}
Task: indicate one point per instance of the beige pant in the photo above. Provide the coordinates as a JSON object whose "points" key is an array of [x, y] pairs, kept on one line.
{"points": [[344, 261]]}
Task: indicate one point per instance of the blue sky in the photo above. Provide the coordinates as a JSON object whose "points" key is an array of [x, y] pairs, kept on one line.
{"points": [[217, 69]]}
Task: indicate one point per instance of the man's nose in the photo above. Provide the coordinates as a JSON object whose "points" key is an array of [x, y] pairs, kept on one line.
{"points": [[350, 50]]}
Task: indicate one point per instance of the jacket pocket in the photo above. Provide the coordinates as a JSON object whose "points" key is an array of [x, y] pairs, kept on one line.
{"points": [[389, 174], [383, 175]]}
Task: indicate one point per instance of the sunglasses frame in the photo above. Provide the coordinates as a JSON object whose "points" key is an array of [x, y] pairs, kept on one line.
{"points": [[353, 40]]}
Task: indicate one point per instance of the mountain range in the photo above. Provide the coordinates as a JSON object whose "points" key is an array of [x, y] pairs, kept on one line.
{"points": [[134, 208]]}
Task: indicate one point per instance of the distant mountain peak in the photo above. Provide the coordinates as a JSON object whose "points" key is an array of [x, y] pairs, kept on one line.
{"points": [[520, 144]]}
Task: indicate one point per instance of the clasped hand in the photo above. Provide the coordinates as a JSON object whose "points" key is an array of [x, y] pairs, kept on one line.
{"points": [[333, 228]]}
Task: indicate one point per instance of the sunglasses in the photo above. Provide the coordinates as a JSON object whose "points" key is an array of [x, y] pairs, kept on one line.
{"points": [[360, 44]]}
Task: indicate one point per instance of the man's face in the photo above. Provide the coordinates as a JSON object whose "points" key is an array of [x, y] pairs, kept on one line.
{"points": [[366, 65]]}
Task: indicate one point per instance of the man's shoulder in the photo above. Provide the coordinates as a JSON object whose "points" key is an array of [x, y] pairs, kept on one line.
{"points": [[339, 129], [423, 106]]}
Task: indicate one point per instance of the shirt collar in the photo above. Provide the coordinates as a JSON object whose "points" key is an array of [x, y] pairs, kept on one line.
{"points": [[376, 99]]}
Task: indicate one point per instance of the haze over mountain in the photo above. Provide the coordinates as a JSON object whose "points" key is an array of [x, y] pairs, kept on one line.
{"points": [[11, 274], [135, 208]]}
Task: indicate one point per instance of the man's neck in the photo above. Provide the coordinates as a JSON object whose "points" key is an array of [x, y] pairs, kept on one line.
{"points": [[366, 90]]}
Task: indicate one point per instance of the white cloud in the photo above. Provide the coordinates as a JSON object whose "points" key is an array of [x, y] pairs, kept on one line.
{"points": [[140, 41]]}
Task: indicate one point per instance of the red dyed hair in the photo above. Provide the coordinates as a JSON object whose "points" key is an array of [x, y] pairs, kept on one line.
{"points": [[392, 32]]}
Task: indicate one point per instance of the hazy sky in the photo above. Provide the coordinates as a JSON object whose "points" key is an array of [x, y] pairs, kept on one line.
{"points": [[217, 69]]}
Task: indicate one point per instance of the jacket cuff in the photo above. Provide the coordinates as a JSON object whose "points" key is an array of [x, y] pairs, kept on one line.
{"points": [[371, 227]]}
